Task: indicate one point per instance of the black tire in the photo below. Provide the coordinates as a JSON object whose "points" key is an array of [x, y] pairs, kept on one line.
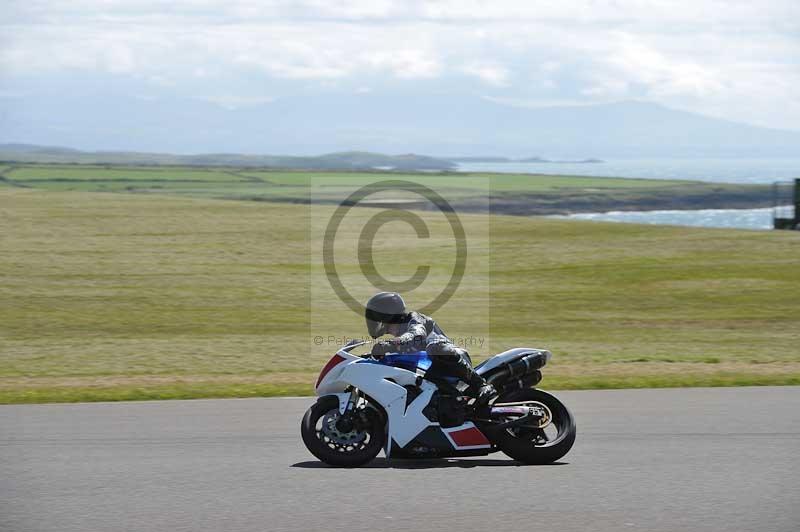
{"points": [[522, 446], [337, 453]]}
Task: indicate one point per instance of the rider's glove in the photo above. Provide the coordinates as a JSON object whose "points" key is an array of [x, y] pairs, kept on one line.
{"points": [[381, 348]]}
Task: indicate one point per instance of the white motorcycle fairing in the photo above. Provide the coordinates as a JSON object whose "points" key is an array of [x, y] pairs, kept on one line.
{"points": [[385, 385]]}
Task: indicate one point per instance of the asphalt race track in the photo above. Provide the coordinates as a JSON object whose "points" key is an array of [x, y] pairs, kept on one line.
{"points": [[692, 459]]}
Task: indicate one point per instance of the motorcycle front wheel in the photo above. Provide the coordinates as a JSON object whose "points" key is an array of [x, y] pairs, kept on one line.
{"points": [[344, 441], [538, 445]]}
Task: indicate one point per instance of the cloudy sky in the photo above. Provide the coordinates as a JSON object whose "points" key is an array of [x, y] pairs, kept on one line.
{"points": [[733, 59]]}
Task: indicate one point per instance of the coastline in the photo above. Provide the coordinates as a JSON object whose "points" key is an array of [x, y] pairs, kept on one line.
{"points": [[549, 204]]}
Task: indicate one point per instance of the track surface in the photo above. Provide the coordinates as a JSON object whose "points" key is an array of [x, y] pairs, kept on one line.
{"points": [[692, 459]]}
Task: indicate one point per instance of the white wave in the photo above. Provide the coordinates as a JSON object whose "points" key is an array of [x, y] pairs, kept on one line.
{"points": [[726, 218]]}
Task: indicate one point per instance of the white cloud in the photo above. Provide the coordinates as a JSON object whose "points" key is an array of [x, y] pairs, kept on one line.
{"points": [[405, 63], [232, 103], [730, 58], [632, 61], [491, 74]]}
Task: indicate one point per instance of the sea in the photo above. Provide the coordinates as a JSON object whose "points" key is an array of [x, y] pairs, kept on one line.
{"points": [[738, 170]]}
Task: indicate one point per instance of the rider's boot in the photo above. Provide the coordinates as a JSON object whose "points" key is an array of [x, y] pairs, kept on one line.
{"points": [[454, 361], [483, 392]]}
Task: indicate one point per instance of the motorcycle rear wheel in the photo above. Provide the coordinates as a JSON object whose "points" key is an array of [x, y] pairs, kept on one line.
{"points": [[350, 446], [533, 446]]}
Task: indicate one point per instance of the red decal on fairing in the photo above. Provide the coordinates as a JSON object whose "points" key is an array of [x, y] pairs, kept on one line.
{"points": [[469, 437], [332, 363]]}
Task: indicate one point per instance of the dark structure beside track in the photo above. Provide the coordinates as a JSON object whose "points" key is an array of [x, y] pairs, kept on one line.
{"points": [[786, 205]]}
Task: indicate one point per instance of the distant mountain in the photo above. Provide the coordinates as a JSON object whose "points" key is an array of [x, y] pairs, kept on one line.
{"points": [[481, 159], [331, 161], [491, 159], [34, 148], [543, 160], [357, 159], [444, 124]]}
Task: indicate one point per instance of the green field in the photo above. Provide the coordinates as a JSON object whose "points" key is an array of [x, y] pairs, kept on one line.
{"points": [[28, 174], [139, 296], [509, 193]]}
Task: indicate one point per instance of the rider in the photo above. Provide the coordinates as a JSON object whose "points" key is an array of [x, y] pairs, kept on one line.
{"points": [[386, 313]]}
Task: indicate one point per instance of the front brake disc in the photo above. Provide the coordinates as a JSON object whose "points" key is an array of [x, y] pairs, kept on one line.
{"points": [[330, 430]]}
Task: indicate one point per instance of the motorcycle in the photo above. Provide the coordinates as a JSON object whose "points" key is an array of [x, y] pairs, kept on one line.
{"points": [[367, 404]]}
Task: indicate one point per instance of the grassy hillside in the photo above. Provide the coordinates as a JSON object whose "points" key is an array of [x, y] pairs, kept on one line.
{"points": [[510, 193], [114, 296]]}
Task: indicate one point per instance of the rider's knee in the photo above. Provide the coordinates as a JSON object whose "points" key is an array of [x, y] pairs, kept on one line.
{"points": [[447, 350]]}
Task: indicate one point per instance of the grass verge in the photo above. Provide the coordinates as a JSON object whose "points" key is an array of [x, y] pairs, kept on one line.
{"points": [[35, 393]]}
